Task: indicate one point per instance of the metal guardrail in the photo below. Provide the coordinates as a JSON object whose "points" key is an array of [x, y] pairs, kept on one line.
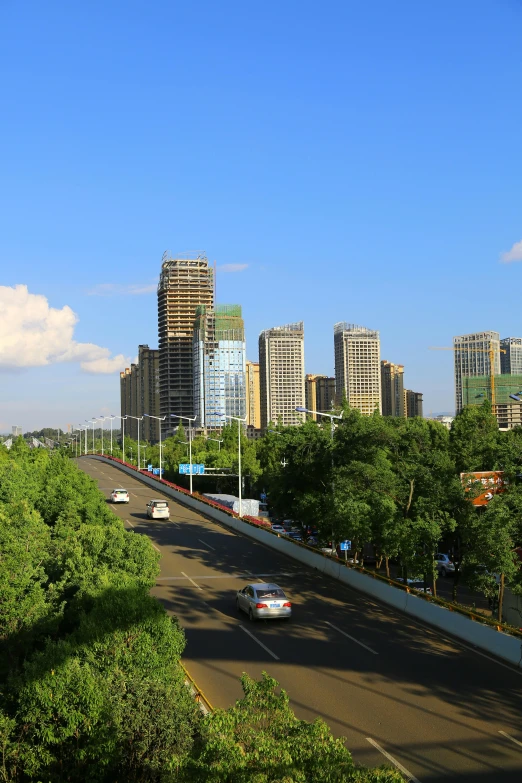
{"points": [[202, 701]]}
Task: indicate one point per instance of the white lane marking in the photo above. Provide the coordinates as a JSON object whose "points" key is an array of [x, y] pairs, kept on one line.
{"points": [[505, 734], [259, 643], [191, 581], [133, 495], [351, 637], [205, 544], [155, 547], [399, 766], [130, 523]]}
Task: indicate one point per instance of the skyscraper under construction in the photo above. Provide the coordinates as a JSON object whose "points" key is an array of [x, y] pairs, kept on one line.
{"points": [[186, 282]]}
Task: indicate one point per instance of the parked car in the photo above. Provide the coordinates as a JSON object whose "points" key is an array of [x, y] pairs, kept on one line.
{"points": [[295, 536], [416, 584], [119, 496], [327, 549], [444, 564], [278, 529], [158, 509], [264, 601]]}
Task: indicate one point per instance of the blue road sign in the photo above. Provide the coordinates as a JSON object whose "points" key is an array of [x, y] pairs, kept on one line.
{"points": [[345, 546], [197, 470]]}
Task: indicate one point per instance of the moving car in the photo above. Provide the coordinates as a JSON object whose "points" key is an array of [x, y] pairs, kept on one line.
{"points": [[264, 601], [278, 529], [444, 564], [158, 509], [119, 496]]}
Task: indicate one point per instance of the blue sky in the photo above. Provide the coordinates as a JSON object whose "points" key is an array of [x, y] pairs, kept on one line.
{"points": [[362, 159]]}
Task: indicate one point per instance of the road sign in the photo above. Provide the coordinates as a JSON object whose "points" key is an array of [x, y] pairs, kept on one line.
{"points": [[197, 469], [345, 546]]}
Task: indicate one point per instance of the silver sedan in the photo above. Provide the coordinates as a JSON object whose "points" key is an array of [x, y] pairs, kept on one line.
{"points": [[264, 601]]}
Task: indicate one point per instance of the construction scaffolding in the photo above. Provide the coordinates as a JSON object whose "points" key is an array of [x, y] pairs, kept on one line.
{"points": [[476, 389], [186, 282]]}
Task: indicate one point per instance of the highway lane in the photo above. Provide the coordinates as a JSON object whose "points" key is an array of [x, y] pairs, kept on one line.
{"points": [[442, 711]]}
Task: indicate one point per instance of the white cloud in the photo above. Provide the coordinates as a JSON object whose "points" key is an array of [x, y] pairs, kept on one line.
{"points": [[515, 254], [232, 267], [33, 334], [118, 289]]}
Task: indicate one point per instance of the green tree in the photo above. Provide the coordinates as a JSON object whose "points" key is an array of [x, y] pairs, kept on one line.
{"points": [[475, 439], [260, 740]]}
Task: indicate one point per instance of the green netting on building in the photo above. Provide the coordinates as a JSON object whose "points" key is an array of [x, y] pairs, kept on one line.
{"points": [[224, 322], [477, 389]]}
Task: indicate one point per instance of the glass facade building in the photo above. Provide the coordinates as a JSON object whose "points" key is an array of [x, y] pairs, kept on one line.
{"points": [[219, 355]]}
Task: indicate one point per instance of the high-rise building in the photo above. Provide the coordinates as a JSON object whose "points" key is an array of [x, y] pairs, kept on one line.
{"points": [[139, 394], [16, 430], [392, 389], [412, 403], [319, 393], [471, 353], [511, 360], [253, 396], [357, 367], [281, 374], [185, 283], [219, 365], [148, 401]]}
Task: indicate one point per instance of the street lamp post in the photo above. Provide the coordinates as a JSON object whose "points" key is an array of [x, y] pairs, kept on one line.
{"points": [[83, 427], [330, 416], [111, 417], [102, 419], [187, 418], [138, 419], [91, 421], [122, 419], [219, 442], [239, 422], [160, 419]]}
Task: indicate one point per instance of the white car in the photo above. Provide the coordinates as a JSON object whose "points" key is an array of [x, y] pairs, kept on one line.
{"points": [[119, 496], [158, 509], [444, 564], [279, 529]]}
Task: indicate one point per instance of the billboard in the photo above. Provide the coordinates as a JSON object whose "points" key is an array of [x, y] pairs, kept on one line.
{"points": [[483, 485]]}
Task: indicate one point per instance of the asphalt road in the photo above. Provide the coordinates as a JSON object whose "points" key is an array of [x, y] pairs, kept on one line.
{"points": [[390, 685]]}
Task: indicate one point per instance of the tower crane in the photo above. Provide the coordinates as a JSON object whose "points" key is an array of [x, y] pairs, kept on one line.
{"points": [[490, 351]]}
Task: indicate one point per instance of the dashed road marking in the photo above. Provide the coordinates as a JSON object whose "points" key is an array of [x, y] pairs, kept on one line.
{"points": [[260, 643], [394, 761], [207, 545], [351, 637], [509, 737], [191, 581]]}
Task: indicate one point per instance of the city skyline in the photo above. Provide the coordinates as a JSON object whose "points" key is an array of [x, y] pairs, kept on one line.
{"points": [[356, 186]]}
